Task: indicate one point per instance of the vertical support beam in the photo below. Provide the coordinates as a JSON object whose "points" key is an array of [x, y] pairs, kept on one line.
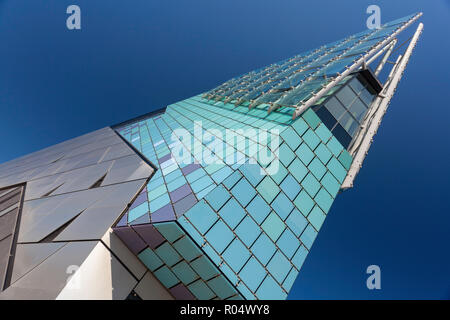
{"points": [[385, 58], [353, 147], [384, 103], [389, 45]]}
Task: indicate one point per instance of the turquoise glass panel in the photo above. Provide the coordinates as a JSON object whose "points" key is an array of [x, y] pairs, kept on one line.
{"points": [[258, 209], [248, 231], [296, 222], [282, 205], [236, 255], [273, 226], [232, 213], [217, 197], [201, 216], [243, 191], [253, 274], [150, 259], [219, 236]]}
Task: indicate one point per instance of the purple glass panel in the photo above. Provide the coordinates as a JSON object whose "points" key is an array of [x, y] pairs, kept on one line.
{"points": [[180, 292], [131, 239], [123, 221], [180, 193], [139, 200], [190, 168], [149, 233], [165, 158], [164, 214], [185, 204]]}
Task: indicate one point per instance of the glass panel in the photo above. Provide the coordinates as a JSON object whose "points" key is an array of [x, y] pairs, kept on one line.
{"points": [[366, 97], [326, 117], [335, 107], [358, 109], [341, 135], [348, 123], [346, 96], [356, 85]]}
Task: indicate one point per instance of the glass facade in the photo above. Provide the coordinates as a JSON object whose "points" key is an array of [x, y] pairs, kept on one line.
{"points": [[253, 229], [343, 109], [293, 81], [240, 230]]}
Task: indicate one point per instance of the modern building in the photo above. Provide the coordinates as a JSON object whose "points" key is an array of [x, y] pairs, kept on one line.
{"points": [[219, 196]]}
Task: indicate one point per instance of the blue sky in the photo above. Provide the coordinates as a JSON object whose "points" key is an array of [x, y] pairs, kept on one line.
{"points": [[132, 57]]}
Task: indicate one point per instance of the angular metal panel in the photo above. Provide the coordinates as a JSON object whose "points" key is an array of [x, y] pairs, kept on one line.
{"points": [[50, 277], [97, 219], [30, 255], [127, 169], [7, 223]]}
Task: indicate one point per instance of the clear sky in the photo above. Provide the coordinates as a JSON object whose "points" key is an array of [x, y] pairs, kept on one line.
{"points": [[131, 57]]}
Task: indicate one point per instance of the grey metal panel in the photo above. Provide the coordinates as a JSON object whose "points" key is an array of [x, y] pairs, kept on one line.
{"points": [[7, 223], [53, 213], [117, 151], [4, 191], [127, 169], [50, 277], [30, 255], [149, 288], [113, 139], [97, 219], [10, 199], [5, 247], [3, 212], [38, 188], [82, 178], [60, 197]]}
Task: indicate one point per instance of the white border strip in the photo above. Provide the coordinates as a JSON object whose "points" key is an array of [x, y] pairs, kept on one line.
{"points": [[397, 74]]}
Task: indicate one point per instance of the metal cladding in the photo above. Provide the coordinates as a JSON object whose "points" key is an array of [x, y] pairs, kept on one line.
{"points": [[57, 207]]}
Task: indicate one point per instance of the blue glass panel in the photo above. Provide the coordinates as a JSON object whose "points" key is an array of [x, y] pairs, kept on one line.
{"points": [[248, 231], [236, 255], [270, 290], [308, 236], [232, 213], [288, 243], [258, 209], [201, 216], [290, 187], [243, 191], [282, 205], [218, 197], [253, 274], [219, 236]]}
